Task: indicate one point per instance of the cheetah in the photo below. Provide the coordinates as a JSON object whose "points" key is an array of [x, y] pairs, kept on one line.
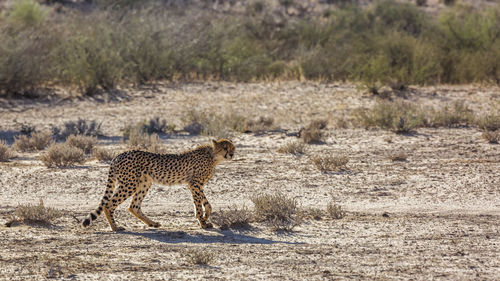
{"points": [[135, 171]]}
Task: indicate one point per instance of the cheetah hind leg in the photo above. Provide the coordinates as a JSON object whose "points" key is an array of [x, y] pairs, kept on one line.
{"points": [[135, 209]]}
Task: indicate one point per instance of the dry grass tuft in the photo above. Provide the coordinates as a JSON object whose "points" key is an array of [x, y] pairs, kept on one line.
{"points": [[313, 133], [62, 155], [85, 143], [102, 154], [34, 214], [488, 122], [5, 151], [330, 163], [35, 142], [146, 142], [315, 213], [79, 127], [199, 257], [333, 210], [295, 148], [398, 156], [277, 210], [259, 125], [232, 218], [491, 137], [452, 116]]}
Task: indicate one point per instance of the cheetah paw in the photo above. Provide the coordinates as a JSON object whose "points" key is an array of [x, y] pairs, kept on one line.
{"points": [[206, 225]]}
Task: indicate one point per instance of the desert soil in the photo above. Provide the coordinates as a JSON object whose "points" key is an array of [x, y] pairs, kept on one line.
{"points": [[434, 216]]}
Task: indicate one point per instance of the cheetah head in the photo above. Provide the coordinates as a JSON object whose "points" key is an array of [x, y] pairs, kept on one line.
{"points": [[223, 149]]}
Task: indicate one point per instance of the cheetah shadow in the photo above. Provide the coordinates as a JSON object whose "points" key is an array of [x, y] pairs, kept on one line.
{"points": [[221, 236]]}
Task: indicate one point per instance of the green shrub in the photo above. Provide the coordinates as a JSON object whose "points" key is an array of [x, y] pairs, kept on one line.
{"points": [[489, 121], [27, 13]]}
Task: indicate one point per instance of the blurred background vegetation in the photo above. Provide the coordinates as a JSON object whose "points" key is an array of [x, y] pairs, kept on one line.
{"points": [[94, 45]]}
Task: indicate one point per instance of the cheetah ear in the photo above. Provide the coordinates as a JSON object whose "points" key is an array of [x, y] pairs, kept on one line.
{"points": [[214, 142]]}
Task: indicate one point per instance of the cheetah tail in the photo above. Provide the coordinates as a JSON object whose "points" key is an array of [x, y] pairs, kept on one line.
{"points": [[107, 195]]}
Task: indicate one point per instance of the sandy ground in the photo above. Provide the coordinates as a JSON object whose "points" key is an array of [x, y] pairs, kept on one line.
{"points": [[434, 216]]}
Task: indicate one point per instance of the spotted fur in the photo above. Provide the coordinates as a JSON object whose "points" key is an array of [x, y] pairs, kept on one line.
{"points": [[134, 171]]}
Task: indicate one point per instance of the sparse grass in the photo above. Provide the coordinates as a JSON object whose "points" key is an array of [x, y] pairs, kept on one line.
{"points": [[277, 210], [315, 213], [489, 121], [146, 142], [199, 256], [35, 142], [329, 163], [491, 137], [452, 116], [6, 152], [79, 127], [335, 211], [399, 117], [85, 143], [313, 133], [34, 214], [62, 155], [232, 218], [102, 154], [293, 147]]}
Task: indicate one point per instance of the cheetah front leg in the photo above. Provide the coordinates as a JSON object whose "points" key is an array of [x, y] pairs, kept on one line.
{"points": [[199, 201]]}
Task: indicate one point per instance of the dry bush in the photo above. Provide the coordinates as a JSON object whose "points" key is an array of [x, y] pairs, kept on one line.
{"points": [[62, 155], [5, 151], [330, 163], [232, 218], [277, 210], [488, 122], [102, 154], [146, 142], [152, 126], [452, 116], [199, 257], [313, 132], [398, 156], [491, 137], [212, 124], [34, 214], [85, 143], [259, 125], [79, 127], [37, 141], [335, 211], [294, 147], [399, 116]]}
